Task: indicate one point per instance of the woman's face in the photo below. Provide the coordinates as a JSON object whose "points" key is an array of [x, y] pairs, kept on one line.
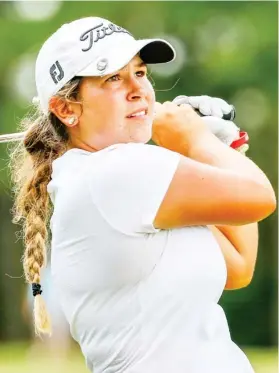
{"points": [[116, 108]]}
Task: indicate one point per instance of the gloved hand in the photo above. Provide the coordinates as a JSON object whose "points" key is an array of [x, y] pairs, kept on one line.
{"points": [[218, 115]]}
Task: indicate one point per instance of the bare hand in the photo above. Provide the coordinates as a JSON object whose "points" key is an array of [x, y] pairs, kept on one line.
{"points": [[176, 127]]}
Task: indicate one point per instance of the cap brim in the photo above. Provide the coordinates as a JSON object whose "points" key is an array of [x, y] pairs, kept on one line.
{"points": [[154, 51], [151, 51]]}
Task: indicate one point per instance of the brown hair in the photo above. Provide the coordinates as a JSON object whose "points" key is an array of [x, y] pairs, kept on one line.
{"points": [[45, 139]]}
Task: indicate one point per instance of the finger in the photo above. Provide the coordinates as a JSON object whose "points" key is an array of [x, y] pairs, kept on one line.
{"points": [[186, 106], [205, 107], [161, 108], [223, 105], [216, 125], [169, 104], [158, 106], [216, 109], [225, 130], [196, 101], [179, 100], [227, 109]]}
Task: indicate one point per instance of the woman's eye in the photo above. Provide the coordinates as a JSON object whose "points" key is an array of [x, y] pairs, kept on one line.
{"points": [[116, 77], [113, 78], [141, 73]]}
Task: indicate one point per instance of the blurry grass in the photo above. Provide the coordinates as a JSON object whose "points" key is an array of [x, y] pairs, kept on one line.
{"points": [[16, 358]]}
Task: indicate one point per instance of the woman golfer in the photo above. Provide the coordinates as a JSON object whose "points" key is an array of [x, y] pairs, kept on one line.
{"points": [[144, 238]]}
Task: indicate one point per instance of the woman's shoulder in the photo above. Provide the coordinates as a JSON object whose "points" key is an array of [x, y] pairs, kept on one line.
{"points": [[131, 147], [134, 157], [136, 151]]}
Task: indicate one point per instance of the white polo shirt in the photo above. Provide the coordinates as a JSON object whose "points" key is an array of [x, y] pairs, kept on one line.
{"points": [[138, 299]]}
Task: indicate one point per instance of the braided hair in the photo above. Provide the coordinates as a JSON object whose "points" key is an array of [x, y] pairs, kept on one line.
{"points": [[45, 139]]}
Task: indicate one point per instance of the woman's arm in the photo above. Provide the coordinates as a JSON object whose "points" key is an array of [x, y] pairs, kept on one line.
{"points": [[218, 186], [213, 185], [239, 246]]}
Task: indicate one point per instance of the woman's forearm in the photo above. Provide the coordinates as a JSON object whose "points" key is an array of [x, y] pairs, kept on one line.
{"points": [[210, 150]]}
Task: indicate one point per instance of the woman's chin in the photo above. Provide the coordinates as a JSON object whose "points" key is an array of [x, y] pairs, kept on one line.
{"points": [[142, 136]]}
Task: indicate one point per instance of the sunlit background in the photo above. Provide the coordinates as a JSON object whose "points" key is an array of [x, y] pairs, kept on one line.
{"points": [[225, 49]]}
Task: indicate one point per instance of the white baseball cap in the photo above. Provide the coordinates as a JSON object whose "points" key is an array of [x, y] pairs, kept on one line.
{"points": [[91, 46]]}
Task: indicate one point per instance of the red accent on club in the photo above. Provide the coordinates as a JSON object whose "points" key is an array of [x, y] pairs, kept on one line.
{"points": [[243, 139]]}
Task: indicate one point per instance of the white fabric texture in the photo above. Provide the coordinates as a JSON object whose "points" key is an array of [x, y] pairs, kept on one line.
{"points": [[138, 299]]}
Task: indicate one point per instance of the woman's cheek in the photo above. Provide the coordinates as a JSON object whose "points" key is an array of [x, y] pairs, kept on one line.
{"points": [[150, 87], [151, 97], [151, 94]]}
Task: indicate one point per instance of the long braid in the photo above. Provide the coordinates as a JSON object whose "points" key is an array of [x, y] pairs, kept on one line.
{"points": [[32, 206], [36, 239], [45, 140]]}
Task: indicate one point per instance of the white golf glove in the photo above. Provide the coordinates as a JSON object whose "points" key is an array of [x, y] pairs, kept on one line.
{"points": [[218, 115]]}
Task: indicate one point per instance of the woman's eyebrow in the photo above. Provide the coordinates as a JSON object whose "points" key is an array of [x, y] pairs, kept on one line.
{"points": [[134, 66], [140, 64]]}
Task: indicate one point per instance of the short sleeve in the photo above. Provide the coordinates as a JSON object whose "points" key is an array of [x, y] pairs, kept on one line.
{"points": [[129, 184]]}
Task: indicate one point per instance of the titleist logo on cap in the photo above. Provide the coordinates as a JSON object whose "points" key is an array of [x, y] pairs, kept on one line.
{"points": [[100, 32]]}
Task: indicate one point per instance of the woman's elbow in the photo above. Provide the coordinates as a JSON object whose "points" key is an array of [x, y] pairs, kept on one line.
{"points": [[239, 283], [264, 206], [242, 280], [272, 203]]}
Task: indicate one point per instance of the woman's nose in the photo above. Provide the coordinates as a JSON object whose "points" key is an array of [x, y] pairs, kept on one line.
{"points": [[135, 89]]}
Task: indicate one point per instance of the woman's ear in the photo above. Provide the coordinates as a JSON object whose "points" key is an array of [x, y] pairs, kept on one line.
{"points": [[67, 112]]}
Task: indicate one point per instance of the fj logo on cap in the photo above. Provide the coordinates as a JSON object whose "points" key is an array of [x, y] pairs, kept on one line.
{"points": [[98, 32], [56, 72]]}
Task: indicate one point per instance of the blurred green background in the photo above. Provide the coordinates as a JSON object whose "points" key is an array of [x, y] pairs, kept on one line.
{"points": [[225, 49]]}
